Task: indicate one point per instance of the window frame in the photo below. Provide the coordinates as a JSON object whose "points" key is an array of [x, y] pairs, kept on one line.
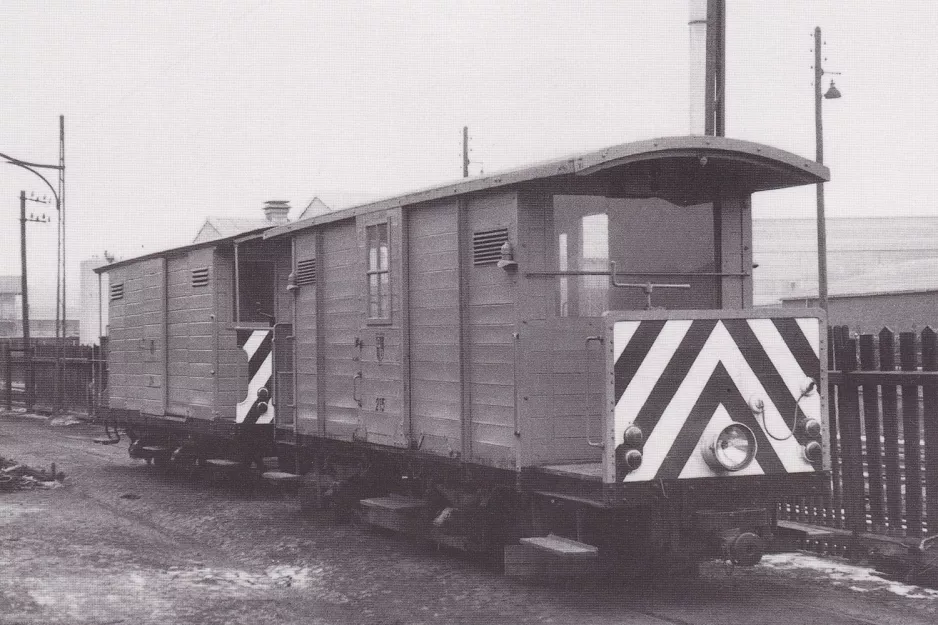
{"points": [[385, 310]]}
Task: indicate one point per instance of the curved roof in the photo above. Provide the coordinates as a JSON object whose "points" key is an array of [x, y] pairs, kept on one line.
{"points": [[678, 161]]}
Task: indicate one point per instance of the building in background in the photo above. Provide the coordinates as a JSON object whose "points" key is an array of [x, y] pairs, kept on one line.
{"points": [[785, 252], [94, 308], [901, 296], [41, 316], [10, 306]]}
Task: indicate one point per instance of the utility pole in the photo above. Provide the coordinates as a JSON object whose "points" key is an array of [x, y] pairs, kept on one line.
{"points": [[24, 297], [60, 365], [832, 94], [819, 157], [465, 151], [715, 91]]}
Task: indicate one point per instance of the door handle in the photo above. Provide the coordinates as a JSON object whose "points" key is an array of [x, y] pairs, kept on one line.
{"points": [[356, 390]]}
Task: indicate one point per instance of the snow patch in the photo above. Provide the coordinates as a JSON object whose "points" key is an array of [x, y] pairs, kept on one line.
{"points": [[856, 578], [277, 576]]}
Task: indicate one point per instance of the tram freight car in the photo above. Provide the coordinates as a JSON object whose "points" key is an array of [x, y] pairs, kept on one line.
{"points": [[189, 350], [567, 349], [562, 359]]}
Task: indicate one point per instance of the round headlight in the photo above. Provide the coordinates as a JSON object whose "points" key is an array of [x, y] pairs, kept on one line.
{"points": [[812, 427], [813, 452], [633, 459], [633, 436], [732, 449]]}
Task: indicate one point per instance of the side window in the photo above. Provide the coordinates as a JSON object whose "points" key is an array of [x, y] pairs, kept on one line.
{"points": [[378, 272]]}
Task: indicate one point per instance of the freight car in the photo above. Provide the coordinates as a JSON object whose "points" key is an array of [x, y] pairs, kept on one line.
{"points": [[562, 359]]}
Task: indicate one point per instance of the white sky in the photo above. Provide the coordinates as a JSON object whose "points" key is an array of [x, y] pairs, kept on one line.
{"points": [[179, 110]]}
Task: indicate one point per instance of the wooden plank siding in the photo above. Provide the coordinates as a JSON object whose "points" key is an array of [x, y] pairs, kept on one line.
{"points": [[120, 349], [307, 343], [491, 319], [341, 312], [137, 322], [232, 362], [191, 335], [380, 362], [433, 265], [560, 408]]}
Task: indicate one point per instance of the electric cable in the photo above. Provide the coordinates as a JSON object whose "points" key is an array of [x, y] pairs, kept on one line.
{"points": [[794, 419]]}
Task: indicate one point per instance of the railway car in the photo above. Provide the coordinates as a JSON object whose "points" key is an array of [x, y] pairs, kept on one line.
{"points": [[190, 333], [563, 359]]}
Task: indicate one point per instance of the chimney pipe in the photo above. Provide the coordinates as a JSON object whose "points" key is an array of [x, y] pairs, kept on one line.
{"points": [[697, 23], [276, 211]]}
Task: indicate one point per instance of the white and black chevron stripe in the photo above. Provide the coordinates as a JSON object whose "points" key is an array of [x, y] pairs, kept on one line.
{"points": [[678, 380], [257, 344]]}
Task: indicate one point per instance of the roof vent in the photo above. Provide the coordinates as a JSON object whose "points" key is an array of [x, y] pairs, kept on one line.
{"points": [[276, 211]]}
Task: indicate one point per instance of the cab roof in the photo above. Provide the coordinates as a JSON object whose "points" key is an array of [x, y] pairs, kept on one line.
{"points": [[684, 170]]}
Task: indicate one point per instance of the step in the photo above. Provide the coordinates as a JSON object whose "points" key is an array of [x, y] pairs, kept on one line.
{"points": [[551, 558], [156, 450], [807, 531], [224, 464], [281, 477], [562, 547], [398, 513]]}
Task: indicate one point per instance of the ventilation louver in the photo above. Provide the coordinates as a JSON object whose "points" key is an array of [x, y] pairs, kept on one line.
{"points": [[200, 277], [306, 272], [117, 291], [487, 245]]}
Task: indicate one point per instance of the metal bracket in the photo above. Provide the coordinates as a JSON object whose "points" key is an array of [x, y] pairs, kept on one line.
{"points": [[356, 390], [589, 340], [648, 287]]}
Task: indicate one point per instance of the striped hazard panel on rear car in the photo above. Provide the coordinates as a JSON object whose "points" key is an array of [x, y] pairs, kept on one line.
{"points": [[682, 381], [256, 407]]}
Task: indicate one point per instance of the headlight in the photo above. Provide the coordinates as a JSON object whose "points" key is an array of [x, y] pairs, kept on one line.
{"points": [[813, 452], [633, 436], [732, 449], [812, 427]]}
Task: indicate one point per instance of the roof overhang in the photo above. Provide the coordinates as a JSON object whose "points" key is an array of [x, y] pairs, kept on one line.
{"points": [[685, 170], [694, 169], [237, 239]]}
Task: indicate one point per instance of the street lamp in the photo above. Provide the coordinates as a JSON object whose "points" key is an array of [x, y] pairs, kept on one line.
{"points": [[831, 94]]}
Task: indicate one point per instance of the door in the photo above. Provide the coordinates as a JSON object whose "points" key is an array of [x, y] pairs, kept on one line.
{"points": [[379, 382]]}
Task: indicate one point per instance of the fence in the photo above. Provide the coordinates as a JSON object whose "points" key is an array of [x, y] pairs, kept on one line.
{"points": [[883, 409], [74, 378]]}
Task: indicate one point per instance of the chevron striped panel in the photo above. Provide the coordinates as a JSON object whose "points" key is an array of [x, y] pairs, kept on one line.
{"points": [[682, 381], [257, 345]]}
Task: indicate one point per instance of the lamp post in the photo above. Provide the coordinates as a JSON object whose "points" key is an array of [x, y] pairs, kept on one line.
{"points": [[831, 94], [24, 296]]}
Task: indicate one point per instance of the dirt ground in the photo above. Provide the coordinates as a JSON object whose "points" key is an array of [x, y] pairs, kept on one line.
{"points": [[121, 542]]}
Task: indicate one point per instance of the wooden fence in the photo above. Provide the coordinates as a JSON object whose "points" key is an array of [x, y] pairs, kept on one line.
{"points": [[883, 408], [73, 377]]}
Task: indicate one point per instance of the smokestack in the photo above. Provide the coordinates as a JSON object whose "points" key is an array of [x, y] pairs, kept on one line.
{"points": [[697, 21], [276, 211]]}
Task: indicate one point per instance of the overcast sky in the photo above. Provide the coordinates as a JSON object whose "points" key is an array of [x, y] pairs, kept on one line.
{"points": [[179, 110]]}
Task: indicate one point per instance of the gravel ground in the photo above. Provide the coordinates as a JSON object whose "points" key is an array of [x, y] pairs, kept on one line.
{"points": [[121, 542]]}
